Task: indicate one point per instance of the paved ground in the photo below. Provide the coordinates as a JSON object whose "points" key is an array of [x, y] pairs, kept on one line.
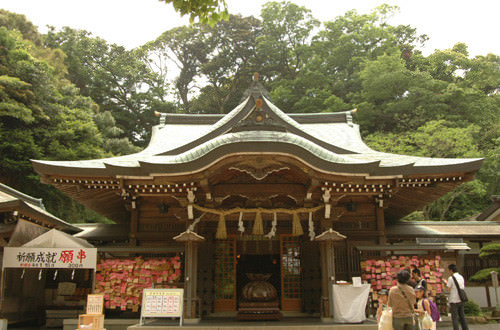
{"points": [[474, 327], [440, 327]]}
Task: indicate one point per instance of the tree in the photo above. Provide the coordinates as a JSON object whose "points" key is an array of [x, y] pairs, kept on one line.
{"points": [[488, 252], [41, 116], [13, 21], [115, 78], [206, 11], [229, 65], [187, 48], [349, 40], [286, 33], [441, 139]]}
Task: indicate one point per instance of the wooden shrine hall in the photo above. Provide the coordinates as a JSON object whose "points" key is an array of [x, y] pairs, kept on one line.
{"points": [[257, 193]]}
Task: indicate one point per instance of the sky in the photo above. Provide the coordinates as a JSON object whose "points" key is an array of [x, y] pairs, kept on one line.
{"points": [[132, 23]]}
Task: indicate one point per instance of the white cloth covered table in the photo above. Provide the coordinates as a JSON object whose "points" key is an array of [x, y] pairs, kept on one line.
{"points": [[349, 303]]}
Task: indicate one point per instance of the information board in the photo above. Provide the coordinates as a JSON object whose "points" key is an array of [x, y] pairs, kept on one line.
{"points": [[162, 303], [95, 303]]}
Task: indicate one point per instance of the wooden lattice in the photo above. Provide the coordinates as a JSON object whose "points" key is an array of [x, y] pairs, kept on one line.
{"points": [[291, 289], [225, 275]]}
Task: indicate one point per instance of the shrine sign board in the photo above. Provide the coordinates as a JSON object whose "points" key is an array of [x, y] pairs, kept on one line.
{"points": [[69, 258], [162, 303]]}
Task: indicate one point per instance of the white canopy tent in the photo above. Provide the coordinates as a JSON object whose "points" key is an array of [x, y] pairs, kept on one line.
{"points": [[57, 239], [52, 251]]}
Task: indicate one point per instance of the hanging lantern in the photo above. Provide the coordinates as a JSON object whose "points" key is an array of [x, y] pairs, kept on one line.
{"points": [[296, 226], [221, 228], [258, 227]]}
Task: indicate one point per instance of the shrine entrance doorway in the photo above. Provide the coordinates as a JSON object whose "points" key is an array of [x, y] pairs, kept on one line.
{"points": [[280, 257], [258, 264]]}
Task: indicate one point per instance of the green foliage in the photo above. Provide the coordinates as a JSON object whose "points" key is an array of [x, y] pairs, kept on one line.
{"points": [[206, 11], [41, 116], [484, 275], [12, 21], [114, 145], [490, 250], [471, 308], [113, 77]]}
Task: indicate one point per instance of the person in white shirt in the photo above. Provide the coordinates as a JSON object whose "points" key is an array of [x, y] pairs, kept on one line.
{"points": [[456, 305]]}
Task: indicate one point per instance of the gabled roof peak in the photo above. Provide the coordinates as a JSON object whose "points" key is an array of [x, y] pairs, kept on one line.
{"points": [[256, 89]]}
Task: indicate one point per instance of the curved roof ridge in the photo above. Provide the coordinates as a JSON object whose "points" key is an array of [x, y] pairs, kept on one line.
{"points": [[301, 130], [262, 136], [22, 196], [216, 129]]}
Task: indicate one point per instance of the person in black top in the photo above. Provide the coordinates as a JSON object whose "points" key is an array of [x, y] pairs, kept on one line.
{"points": [[411, 282], [417, 277]]}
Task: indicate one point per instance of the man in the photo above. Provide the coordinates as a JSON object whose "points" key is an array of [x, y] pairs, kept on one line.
{"points": [[417, 277], [411, 282], [401, 300], [456, 305]]}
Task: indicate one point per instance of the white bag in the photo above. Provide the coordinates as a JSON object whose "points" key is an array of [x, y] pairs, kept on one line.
{"points": [[427, 321], [385, 322]]}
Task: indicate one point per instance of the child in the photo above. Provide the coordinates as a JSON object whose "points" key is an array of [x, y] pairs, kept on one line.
{"points": [[423, 305], [382, 302]]}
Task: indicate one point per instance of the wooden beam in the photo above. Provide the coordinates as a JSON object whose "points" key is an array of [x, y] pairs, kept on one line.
{"points": [[262, 189]]}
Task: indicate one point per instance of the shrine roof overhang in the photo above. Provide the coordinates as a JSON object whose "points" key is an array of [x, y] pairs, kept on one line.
{"points": [[183, 147], [259, 142], [29, 207], [440, 229]]}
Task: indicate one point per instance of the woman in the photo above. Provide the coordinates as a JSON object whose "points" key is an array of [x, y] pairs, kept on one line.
{"points": [[423, 306], [401, 300]]}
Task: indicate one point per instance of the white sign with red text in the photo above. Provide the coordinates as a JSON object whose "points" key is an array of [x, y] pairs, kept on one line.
{"points": [[70, 258]]}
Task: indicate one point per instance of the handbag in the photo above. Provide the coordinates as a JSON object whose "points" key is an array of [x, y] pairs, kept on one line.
{"points": [[461, 292], [427, 321], [385, 322], [414, 317]]}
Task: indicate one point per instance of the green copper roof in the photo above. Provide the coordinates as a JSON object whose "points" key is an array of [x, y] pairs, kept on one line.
{"points": [[187, 143]]}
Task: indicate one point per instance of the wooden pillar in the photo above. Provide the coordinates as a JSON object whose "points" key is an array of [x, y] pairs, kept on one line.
{"points": [[134, 221], [327, 254], [191, 279], [380, 224], [190, 240]]}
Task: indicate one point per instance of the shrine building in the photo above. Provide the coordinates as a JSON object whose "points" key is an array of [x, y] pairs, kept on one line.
{"points": [[256, 191]]}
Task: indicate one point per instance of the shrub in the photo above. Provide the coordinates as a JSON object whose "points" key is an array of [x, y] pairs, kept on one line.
{"points": [[471, 308]]}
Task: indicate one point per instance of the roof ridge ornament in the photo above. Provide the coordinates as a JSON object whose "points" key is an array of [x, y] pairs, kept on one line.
{"points": [[349, 115], [255, 89], [163, 117]]}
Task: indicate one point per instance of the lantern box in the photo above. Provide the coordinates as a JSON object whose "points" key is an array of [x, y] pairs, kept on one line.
{"points": [[91, 321]]}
